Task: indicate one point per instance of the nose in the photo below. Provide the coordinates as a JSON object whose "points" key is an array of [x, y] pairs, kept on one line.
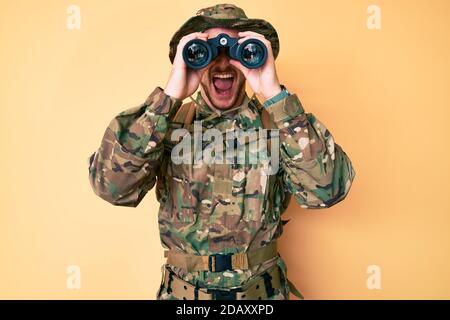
{"points": [[222, 58]]}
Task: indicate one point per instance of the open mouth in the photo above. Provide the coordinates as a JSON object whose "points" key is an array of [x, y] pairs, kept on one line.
{"points": [[223, 83]]}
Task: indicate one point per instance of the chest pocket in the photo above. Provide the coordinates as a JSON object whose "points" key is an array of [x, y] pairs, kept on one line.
{"points": [[182, 200], [263, 191], [254, 187], [178, 203], [250, 184]]}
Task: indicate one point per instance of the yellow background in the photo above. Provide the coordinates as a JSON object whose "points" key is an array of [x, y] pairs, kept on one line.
{"points": [[382, 93]]}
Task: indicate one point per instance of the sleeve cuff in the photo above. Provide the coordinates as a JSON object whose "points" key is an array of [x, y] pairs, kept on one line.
{"points": [[283, 94], [286, 109]]}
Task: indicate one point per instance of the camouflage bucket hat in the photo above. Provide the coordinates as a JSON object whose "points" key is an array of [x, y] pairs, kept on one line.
{"points": [[224, 16]]}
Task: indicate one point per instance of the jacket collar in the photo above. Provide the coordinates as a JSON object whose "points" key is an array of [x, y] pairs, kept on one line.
{"points": [[206, 113]]}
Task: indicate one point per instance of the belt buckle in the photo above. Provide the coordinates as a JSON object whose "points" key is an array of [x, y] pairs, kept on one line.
{"points": [[220, 262], [218, 294]]}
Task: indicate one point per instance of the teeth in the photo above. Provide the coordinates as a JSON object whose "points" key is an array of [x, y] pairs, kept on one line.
{"points": [[223, 76]]}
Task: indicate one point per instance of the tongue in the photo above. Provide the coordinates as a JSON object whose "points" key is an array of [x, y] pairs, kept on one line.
{"points": [[223, 84]]}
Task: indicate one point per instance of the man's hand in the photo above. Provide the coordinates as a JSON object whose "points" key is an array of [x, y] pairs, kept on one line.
{"points": [[263, 81], [184, 81]]}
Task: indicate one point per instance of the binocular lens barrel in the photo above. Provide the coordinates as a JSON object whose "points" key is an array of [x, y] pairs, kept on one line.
{"points": [[197, 54], [251, 53]]}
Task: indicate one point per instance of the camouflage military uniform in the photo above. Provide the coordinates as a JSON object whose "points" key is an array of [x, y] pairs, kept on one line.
{"points": [[196, 218], [215, 208]]}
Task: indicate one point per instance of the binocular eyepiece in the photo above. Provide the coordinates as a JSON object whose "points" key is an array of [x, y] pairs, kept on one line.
{"points": [[252, 53]]}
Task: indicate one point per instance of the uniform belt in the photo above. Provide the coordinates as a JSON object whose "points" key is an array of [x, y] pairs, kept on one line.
{"points": [[261, 288], [221, 262]]}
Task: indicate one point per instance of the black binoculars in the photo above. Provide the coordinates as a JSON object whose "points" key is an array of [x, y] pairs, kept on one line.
{"points": [[252, 53]]}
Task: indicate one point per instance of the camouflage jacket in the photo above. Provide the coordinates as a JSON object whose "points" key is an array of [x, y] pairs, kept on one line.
{"points": [[219, 208]]}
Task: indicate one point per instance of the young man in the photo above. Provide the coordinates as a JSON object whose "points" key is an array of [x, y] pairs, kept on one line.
{"points": [[219, 221]]}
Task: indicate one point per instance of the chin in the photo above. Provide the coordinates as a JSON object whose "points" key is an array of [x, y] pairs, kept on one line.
{"points": [[224, 102]]}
